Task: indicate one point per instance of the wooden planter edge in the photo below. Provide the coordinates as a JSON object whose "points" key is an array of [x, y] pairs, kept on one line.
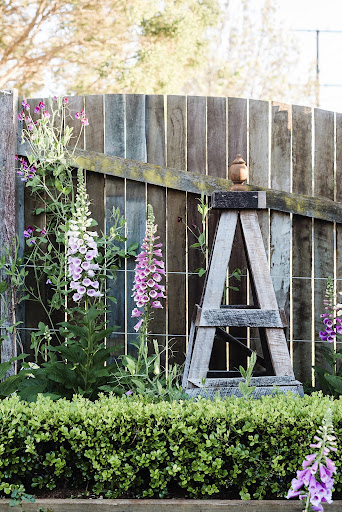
{"points": [[162, 505]]}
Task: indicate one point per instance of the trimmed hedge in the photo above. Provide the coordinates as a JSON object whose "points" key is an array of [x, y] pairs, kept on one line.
{"points": [[129, 448]]}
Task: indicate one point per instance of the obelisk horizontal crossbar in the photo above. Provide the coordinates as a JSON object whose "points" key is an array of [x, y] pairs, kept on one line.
{"points": [[240, 318], [242, 200]]}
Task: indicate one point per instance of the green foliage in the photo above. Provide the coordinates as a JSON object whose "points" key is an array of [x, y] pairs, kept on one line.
{"points": [[245, 388], [18, 496], [329, 374], [134, 448], [77, 366], [145, 375]]}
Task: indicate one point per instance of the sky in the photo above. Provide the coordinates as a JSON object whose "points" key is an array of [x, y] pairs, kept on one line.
{"points": [[322, 15]]}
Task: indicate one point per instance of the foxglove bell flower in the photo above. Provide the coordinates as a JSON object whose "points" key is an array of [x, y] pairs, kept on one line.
{"points": [[149, 272], [82, 248], [331, 320], [318, 469]]}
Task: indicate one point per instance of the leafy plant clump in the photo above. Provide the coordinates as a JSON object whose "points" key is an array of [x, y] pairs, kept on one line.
{"points": [[128, 447]]}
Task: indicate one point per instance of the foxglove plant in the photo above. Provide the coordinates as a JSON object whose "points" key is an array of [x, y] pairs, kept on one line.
{"points": [[333, 324], [317, 474], [149, 271], [82, 248]]}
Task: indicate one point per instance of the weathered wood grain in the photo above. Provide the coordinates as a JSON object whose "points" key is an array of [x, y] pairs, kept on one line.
{"points": [[264, 290], [156, 196], [8, 148], [259, 175], [240, 200], [114, 144], [316, 207], [323, 239], [217, 165], [34, 311], [280, 223], [176, 230], [237, 144], [196, 162], [302, 245], [213, 292], [160, 505], [240, 318], [135, 197]]}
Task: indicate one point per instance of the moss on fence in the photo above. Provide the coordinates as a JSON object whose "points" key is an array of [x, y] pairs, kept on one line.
{"points": [[127, 448]]}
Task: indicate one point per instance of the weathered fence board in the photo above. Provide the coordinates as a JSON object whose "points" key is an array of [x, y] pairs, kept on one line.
{"points": [[302, 245], [187, 142], [217, 164], [280, 223], [114, 144], [8, 140], [323, 239], [237, 144], [176, 231], [156, 196]]}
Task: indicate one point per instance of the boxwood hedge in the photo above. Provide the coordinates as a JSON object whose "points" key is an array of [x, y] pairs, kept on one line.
{"points": [[131, 448]]}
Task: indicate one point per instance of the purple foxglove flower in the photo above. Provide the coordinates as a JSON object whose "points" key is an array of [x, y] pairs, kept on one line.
{"points": [[37, 110], [86, 282], [153, 294], [129, 392], [136, 312], [82, 249], [85, 265], [48, 281], [41, 105], [156, 304], [91, 292], [157, 277], [91, 273], [77, 115], [292, 494], [76, 297], [138, 325], [95, 284], [81, 290], [330, 465], [85, 121]]}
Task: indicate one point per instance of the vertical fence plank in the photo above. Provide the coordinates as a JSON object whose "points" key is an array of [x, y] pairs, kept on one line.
{"points": [[75, 104], [196, 162], [339, 199], [323, 231], [237, 143], [176, 230], [8, 145], [302, 245], [34, 311], [156, 196], [94, 141], [217, 166], [280, 223], [259, 166], [114, 144], [135, 196]]}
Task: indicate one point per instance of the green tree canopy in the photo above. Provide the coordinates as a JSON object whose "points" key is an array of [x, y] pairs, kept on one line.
{"points": [[210, 47]]}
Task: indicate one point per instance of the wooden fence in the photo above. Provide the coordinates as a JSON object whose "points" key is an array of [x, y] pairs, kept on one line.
{"points": [[291, 149]]}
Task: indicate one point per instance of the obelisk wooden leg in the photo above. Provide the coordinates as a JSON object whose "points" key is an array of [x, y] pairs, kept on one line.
{"points": [[213, 294]]}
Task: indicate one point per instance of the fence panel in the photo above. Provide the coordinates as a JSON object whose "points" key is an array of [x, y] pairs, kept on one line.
{"points": [[203, 135]]}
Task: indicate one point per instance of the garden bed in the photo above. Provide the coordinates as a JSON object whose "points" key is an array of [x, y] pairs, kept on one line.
{"points": [[98, 505]]}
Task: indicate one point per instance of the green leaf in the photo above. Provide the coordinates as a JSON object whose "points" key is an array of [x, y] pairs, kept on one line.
{"points": [[3, 286], [37, 211]]}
